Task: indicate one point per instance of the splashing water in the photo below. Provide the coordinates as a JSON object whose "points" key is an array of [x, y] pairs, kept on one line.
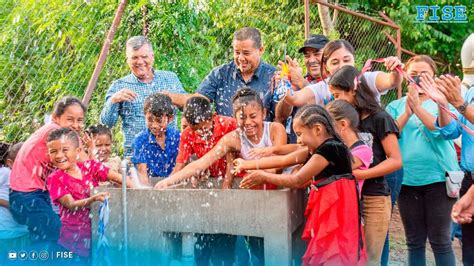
{"points": [[135, 179]]}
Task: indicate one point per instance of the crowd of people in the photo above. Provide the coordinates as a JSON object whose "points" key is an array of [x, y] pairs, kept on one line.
{"points": [[328, 134]]}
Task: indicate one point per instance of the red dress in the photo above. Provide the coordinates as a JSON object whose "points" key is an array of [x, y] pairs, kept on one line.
{"points": [[333, 229]]}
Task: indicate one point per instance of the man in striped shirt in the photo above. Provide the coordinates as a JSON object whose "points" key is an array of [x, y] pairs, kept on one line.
{"points": [[126, 95]]}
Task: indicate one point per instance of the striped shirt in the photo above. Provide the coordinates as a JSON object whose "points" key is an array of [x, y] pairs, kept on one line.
{"points": [[133, 118]]}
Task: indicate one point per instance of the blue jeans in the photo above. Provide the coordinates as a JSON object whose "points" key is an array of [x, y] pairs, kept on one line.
{"points": [[34, 210], [394, 181]]}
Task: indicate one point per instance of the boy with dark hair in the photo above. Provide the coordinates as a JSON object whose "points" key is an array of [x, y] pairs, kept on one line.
{"points": [[204, 129], [155, 149]]}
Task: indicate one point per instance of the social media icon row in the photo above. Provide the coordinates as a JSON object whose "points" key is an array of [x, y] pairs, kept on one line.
{"points": [[32, 255]]}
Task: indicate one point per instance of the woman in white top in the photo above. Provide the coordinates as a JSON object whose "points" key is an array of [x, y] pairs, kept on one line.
{"points": [[336, 54], [252, 132]]}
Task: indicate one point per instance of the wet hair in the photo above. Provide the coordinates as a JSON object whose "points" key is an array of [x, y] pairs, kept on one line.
{"points": [[64, 103], [341, 109], [158, 105], [197, 110], [245, 96], [249, 33], [330, 48], [365, 101], [13, 151], [66, 133], [136, 42], [3, 153], [99, 129], [313, 114], [422, 58]]}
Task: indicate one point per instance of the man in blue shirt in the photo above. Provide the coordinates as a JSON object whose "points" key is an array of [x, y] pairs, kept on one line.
{"points": [[126, 95], [155, 149], [450, 88], [247, 69]]}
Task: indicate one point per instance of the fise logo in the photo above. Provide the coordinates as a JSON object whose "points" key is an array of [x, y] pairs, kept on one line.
{"points": [[438, 14]]}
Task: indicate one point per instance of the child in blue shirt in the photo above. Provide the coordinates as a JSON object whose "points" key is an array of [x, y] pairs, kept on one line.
{"points": [[155, 149]]}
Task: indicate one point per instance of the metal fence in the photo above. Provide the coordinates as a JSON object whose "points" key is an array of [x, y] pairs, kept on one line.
{"points": [[49, 49]]}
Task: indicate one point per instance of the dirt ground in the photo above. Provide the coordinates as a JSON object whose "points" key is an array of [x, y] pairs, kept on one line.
{"points": [[398, 250]]}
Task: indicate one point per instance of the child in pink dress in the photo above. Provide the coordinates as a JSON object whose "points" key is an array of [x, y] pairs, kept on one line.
{"points": [[70, 188]]}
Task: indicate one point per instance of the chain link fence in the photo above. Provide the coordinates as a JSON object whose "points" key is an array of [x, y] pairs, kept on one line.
{"points": [[48, 49]]}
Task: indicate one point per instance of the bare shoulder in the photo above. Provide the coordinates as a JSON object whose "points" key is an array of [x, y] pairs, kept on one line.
{"points": [[278, 133], [275, 126], [232, 140]]}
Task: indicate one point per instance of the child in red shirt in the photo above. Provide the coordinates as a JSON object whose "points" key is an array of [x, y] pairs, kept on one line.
{"points": [[204, 129], [70, 186]]}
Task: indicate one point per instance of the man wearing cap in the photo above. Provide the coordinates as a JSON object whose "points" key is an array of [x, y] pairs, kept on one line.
{"points": [[312, 50]]}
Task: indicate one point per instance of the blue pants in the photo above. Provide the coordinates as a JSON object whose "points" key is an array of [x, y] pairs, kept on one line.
{"points": [[34, 210], [394, 181]]}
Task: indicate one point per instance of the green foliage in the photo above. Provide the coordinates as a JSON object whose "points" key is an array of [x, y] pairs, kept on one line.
{"points": [[49, 48], [442, 41]]}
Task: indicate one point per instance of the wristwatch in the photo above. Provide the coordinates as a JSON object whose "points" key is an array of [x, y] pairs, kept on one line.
{"points": [[462, 108]]}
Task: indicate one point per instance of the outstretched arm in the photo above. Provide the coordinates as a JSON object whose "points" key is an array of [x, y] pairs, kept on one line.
{"points": [[73, 205], [386, 81], [179, 99], [299, 98], [313, 167], [294, 158], [224, 146], [117, 178]]}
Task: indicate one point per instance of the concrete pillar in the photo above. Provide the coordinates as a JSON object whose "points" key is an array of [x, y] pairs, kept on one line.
{"points": [[188, 241]]}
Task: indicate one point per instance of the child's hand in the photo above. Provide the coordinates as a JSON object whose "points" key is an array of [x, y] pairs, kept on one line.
{"points": [[258, 153], [163, 184], [194, 182], [358, 174], [239, 165], [87, 141], [227, 184], [252, 179], [101, 196]]}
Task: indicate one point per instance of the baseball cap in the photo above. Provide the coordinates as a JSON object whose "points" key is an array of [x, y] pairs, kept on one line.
{"points": [[316, 41]]}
